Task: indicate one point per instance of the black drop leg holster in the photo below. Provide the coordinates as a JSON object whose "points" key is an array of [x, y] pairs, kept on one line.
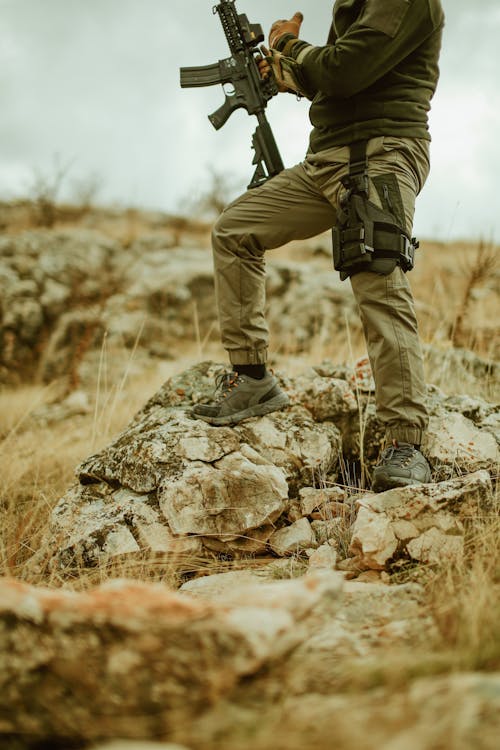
{"points": [[367, 237]]}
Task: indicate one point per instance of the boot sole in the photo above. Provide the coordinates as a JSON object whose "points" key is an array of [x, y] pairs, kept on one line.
{"points": [[258, 410], [385, 483]]}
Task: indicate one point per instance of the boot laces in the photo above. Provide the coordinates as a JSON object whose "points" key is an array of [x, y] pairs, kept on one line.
{"points": [[398, 454], [225, 382]]}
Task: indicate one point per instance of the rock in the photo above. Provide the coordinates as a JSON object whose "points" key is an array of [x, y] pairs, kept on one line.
{"points": [[44, 275], [72, 333], [459, 711], [454, 445], [435, 546], [426, 523], [240, 492], [134, 659], [257, 589], [460, 365], [312, 499], [374, 538], [191, 487], [295, 321], [370, 576], [291, 439], [352, 635], [325, 398], [92, 524], [323, 557], [474, 408], [218, 585], [292, 539], [491, 424], [220, 487]]}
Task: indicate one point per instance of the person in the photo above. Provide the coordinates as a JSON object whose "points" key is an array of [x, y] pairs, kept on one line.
{"points": [[370, 89]]}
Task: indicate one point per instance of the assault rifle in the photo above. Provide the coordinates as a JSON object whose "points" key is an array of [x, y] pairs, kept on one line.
{"points": [[250, 91]]}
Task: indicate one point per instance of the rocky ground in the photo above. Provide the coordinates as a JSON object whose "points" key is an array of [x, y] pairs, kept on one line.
{"points": [[291, 606]]}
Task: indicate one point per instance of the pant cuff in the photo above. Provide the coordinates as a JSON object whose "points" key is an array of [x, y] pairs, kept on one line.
{"points": [[403, 434], [248, 356]]}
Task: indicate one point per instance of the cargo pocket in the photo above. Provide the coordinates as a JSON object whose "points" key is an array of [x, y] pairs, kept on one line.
{"points": [[386, 16], [389, 195]]}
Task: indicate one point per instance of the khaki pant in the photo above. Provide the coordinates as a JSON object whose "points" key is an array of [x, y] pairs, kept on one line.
{"points": [[299, 203]]}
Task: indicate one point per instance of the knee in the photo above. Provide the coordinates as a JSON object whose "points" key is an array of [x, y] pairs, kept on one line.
{"points": [[232, 234], [223, 227]]}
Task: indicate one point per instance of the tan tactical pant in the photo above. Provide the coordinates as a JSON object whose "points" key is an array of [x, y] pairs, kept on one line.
{"points": [[299, 203]]}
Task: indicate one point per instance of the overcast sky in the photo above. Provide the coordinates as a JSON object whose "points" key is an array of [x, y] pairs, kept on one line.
{"points": [[95, 84]]}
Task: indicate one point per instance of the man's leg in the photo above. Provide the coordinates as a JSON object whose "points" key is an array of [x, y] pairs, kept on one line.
{"points": [[286, 208], [390, 325]]}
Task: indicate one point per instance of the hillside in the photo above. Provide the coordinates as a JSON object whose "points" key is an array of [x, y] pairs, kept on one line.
{"points": [[236, 588]]}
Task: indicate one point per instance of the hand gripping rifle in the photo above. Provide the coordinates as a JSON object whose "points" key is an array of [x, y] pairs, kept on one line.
{"points": [[250, 91]]}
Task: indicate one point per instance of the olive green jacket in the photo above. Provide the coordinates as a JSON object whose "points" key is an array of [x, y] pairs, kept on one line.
{"points": [[377, 73]]}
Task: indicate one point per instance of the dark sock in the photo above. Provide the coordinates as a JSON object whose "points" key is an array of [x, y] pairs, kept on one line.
{"points": [[253, 371]]}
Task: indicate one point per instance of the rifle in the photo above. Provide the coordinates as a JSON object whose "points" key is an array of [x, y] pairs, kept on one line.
{"points": [[251, 92]]}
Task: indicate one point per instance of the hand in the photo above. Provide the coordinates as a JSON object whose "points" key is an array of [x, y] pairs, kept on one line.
{"points": [[279, 28], [263, 63], [285, 69]]}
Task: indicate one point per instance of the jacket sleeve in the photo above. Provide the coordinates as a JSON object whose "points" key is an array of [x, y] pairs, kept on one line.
{"points": [[375, 44]]}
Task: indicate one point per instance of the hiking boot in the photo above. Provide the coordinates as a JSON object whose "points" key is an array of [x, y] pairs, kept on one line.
{"points": [[400, 464], [239, 397]]}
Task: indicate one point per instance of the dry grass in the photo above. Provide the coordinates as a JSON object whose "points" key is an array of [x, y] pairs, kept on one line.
{"points": [[464, 600]]}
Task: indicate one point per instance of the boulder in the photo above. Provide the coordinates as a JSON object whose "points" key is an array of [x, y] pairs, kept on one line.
{"points": [[227, 498], [426, 523], [137, 660], [454, 445], [44, 275], [171, 483]]}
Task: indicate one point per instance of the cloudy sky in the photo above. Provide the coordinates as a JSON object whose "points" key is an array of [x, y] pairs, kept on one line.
{"points": [[94, 85]]}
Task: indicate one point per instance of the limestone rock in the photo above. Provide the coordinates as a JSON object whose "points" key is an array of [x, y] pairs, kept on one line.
{"points": [[217, 486], [323, 557], [326, 398], [95, 523], [312, 499], [299, 536], [374, 537], [238, 493], [134, 654], [426, 523], [77, 402], [454, 445], [292, 440], [173, 484], [295, 321], [257, 589]]}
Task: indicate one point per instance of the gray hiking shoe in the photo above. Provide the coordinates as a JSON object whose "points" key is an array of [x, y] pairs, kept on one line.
{"points": [[239, 397], [400, 464]]}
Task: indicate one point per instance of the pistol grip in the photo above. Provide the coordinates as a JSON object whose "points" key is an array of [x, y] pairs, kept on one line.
{"points": [[222, 115]]}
